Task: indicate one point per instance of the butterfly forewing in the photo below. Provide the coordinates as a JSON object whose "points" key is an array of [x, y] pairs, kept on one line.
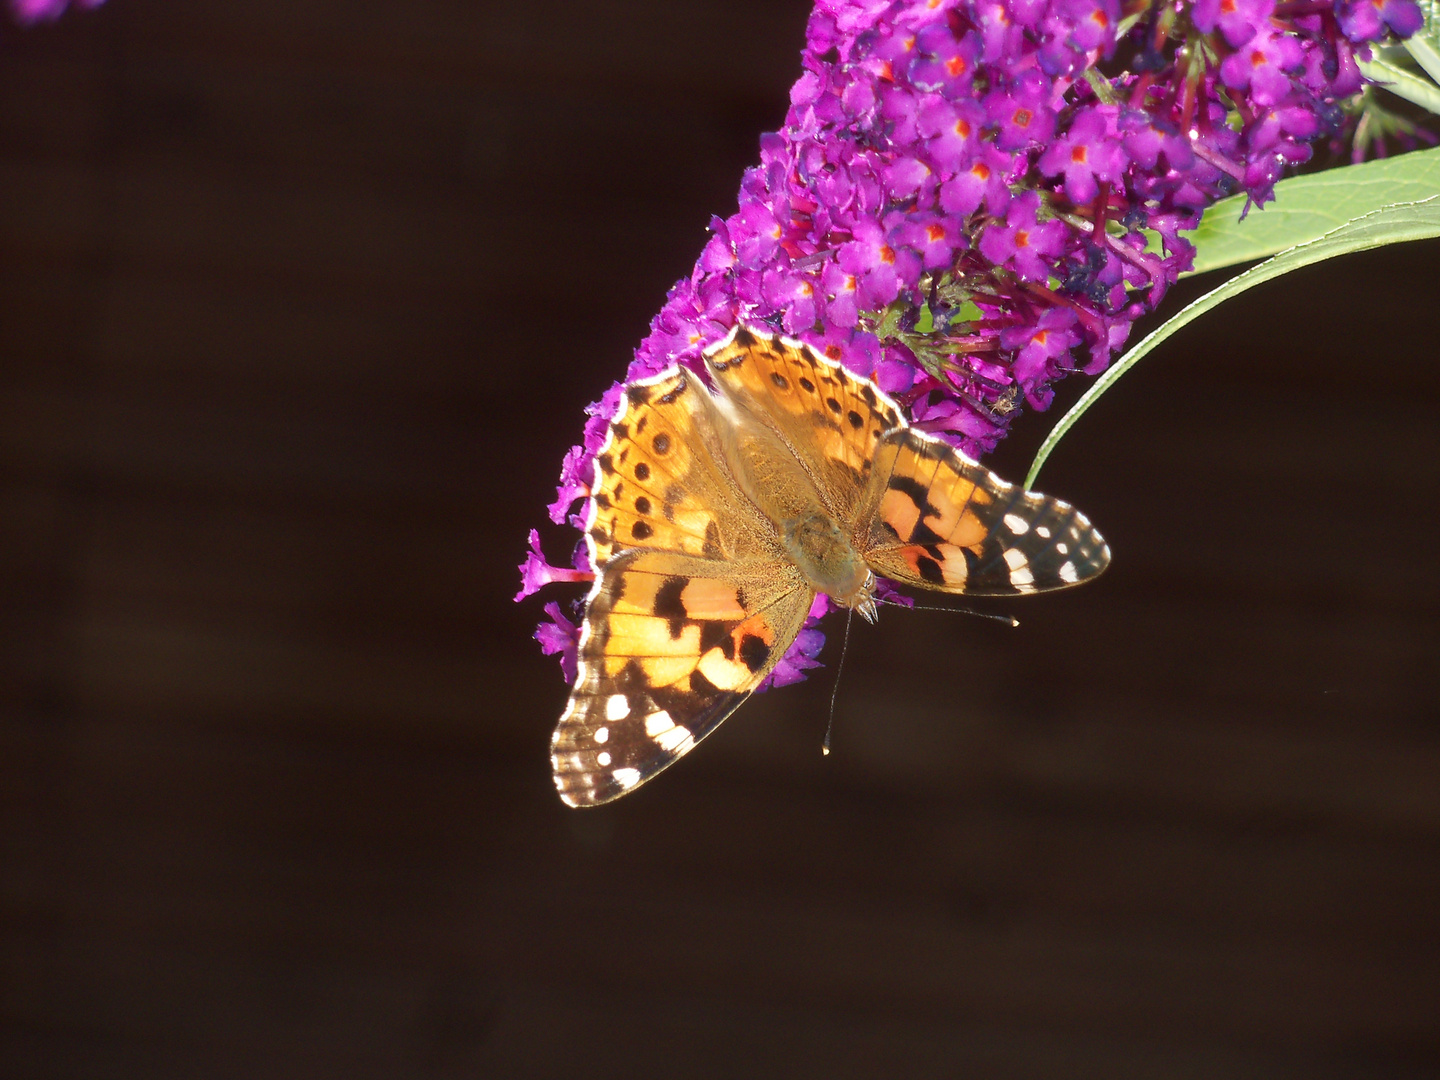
{"points": [[657, 482], [830, 418], [672, 644], [938, 520]]}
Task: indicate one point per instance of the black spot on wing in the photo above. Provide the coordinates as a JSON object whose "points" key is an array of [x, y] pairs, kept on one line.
{"points": [[638, 395], [641, 531], [781, 383], [972, 563], [924, 535], [642, 505], [674, 493], [670, 397], [661, 443], [807, 384], [918, 493], [856, 420], [642, 471], [669, 606], [714, 633], [745, 339], [754, 652], [930, 570], [988, 572], [702, 686]]}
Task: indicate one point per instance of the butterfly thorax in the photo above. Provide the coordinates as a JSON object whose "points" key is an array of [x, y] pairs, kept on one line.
{"points": [[830, 562]]}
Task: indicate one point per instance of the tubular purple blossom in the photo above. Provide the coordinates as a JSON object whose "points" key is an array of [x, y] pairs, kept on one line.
{"points": [[966, 194]]}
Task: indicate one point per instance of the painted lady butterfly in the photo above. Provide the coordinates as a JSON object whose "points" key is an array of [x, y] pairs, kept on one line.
{"points": [[716, 516]]}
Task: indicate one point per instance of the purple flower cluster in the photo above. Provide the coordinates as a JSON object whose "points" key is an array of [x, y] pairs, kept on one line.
{"points": [[972, 198], [33, 11]]}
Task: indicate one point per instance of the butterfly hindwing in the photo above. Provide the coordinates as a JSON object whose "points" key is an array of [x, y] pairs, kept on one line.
{"points": [[670, 646], [831, 419], [941, 521]]}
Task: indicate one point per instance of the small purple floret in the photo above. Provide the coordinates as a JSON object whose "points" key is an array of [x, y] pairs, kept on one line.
{"points": [[559, 635]]}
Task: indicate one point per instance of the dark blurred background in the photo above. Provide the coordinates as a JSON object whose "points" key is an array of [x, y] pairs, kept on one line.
{"points": [[301, 303]]}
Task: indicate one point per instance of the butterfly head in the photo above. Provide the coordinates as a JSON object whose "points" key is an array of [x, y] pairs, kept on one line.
{"points": [[863, 600]]}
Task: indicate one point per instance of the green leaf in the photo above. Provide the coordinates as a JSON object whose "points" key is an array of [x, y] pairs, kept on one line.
{"points": [[1392, 224], [1424, 46], [1308, 207], [1404, 84]]}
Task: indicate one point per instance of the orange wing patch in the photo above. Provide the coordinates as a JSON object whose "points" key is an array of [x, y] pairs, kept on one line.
{"points": [[831, 419], [654, 484]]}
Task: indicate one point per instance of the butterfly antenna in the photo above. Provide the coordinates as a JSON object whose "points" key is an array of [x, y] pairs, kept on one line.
{"points": [[835, 692], [1008, 620]]}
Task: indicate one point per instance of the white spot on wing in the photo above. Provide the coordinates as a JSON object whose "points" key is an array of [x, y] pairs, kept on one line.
{"points": [[617, 707], [1042, 531], [1017, 524], [657, 723], [1068, 572], [1021, 577], [1015, 559], [626, 778], [602, 734], [603, 758], [1063, 548], [670, 741]]}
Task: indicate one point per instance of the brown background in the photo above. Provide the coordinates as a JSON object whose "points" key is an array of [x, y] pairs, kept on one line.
{"points": [[300, 306]]}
